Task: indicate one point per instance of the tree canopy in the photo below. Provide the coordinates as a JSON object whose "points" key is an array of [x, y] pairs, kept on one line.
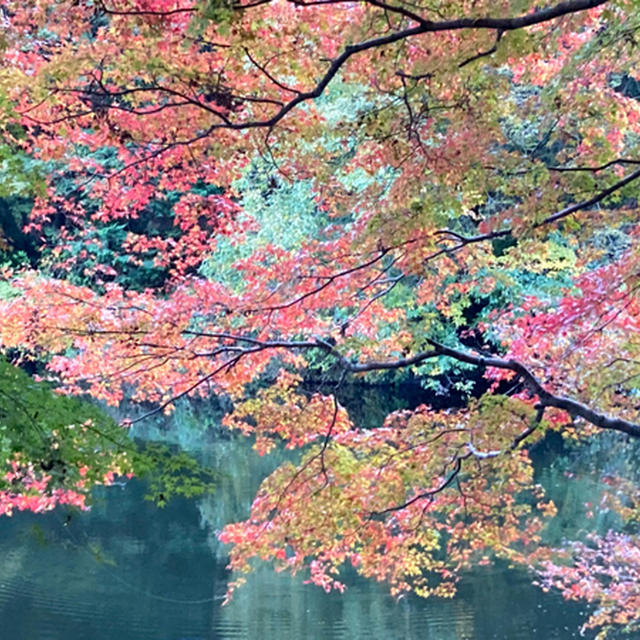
{"points": [[240, 197]]}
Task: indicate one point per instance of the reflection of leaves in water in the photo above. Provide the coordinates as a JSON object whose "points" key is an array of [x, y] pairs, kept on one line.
{"points": [[368, 405], [583, 478], [100, 555], [37, 533], [172, 472]]}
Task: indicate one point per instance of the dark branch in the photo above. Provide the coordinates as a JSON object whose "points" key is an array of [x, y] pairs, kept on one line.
{"points": [[145, 12], [601, 167], [567, 211], [483, 54], [264, 70], [423, 26], [547, 399], [374, 515], [535, 423], [555, 217]]}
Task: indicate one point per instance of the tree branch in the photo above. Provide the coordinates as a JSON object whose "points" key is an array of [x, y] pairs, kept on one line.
{"points": [[144, 12], [601, 167], [457, 467], [558, 215], [423, 26], [547, 399], [483, 54]]}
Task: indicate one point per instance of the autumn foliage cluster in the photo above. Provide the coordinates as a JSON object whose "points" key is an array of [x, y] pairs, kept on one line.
{"points": [[269, 199]]}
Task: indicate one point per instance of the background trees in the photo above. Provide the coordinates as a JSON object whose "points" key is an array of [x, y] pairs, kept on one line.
{"points": [[244, 196]]}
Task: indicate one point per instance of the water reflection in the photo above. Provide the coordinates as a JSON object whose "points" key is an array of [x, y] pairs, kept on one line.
{"points": [[130, 571]]}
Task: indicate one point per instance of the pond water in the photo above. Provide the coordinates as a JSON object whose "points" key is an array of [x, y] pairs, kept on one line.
{"points": [[128, 570]]}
